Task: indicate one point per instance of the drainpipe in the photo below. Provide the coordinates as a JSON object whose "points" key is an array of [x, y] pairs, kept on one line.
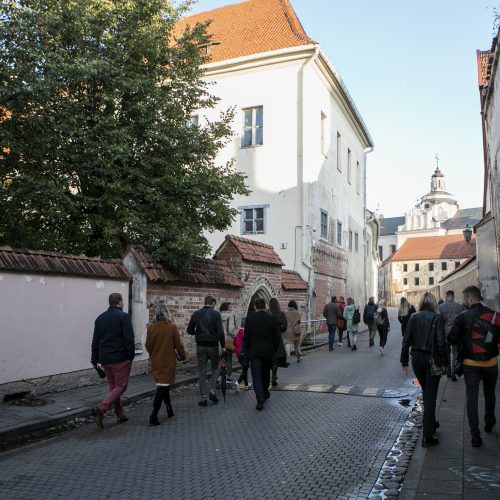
{"points": [[365, 259], [300, 173]]}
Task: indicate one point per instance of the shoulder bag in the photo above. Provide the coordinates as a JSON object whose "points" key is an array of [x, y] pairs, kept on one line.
{"points": [[436, 369]]}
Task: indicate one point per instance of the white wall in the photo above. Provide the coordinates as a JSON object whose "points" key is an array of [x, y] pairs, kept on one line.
{"points": [[48, 322]]}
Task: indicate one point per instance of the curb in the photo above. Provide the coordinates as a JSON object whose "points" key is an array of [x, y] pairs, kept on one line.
{"points": [[17, 434]]}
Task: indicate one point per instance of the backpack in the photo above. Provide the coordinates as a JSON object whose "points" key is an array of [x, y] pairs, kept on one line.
{"points": [[356, 317], [379, 320]]}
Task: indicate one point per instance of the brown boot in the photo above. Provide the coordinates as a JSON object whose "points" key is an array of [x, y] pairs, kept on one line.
{"points": [[99, 415]]}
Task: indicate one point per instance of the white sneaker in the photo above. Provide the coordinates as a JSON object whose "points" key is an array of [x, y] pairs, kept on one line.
{"points": [[236, 386], [381, 351], [340, 344]]}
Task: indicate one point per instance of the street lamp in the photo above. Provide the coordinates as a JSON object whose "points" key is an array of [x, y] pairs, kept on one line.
{"points": [[467, 233]]}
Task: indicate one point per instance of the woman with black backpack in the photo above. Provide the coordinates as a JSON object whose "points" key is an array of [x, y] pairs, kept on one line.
{"points": [[352, 317]]}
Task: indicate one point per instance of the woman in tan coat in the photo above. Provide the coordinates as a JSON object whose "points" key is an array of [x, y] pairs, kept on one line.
{"points": [[293, 332], [162, 343]]}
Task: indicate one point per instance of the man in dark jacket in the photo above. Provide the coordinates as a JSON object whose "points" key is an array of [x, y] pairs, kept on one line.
{"points": [[332, 313], [113, 347], [261, 341], [476, 331], [206, 325], [369, 319]]}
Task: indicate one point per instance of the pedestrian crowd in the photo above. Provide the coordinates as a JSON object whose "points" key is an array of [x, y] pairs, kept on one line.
{"points": [[442, 338]]}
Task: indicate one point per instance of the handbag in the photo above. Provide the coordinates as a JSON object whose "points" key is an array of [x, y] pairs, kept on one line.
{"points": [[296, 329], [229, 343], [436, 369]]}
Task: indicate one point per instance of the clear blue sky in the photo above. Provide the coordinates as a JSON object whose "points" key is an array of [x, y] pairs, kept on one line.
{"points": [[411, 68]]}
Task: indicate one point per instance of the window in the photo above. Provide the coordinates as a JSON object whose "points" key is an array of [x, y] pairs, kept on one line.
{"points": [[381, 253], [356, 242], [350, 241], [323, 133], [431, 266], [431, 281], [339, 167], [405, 281], [358, 177], [349, 173], [457, 263], [444, 266], [417, 281], [193, 121], [405, 268], [324, 224], [339, 233], [417, 267], [393, 249], [253, 133], [253, 220]]}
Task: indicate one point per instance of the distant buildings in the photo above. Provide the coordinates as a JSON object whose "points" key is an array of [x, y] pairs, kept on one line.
{"points": [[301, 142], [488, 229]]}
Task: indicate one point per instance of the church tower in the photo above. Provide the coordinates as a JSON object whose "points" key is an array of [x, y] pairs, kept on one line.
{"points": [[437, 181]]}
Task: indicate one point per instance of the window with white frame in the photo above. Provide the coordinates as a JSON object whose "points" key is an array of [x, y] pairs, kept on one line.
{"points": [[358, 177], [349, 166], [351, 241], [339, 145], [323, 133], [356, 242], [324, 224], [253, 220], [253, 127], [193, 121], [339, 233]]}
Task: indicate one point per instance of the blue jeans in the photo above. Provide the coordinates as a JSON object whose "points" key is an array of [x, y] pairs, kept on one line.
{"points": [[331, 336]]}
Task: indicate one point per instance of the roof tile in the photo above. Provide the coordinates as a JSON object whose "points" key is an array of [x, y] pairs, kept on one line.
{"points": [[41, 262], [435, 247], [250, 27], [291, 280], [253, 251]]}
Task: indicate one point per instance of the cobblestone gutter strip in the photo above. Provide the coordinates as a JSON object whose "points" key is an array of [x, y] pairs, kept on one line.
{"points": [[34, 430], [392, 474]]}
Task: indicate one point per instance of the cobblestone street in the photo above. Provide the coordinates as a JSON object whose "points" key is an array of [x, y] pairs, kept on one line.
{"points": [[305, 444]]}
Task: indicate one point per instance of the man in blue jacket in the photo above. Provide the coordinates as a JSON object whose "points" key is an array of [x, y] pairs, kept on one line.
{"points": [[113, 347]]}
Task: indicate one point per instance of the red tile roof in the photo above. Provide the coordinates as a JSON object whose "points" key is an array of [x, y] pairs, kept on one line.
{"points": [[41, 262], [435, 247], [250, 27], [459, 268], [199, 271], [252, 251], [291, 280]]}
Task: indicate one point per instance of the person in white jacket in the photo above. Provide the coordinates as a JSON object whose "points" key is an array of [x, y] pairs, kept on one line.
{"points": [[351, 326]]}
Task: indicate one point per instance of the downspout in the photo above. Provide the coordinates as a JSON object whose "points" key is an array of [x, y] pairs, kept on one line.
{"points": [[300, 173], [365, 259]]}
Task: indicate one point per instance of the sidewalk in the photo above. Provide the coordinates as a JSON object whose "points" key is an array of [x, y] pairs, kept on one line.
{"points": [[454, 469], [19, 424]]}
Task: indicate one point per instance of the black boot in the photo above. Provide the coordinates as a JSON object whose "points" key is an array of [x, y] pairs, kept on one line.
{"points": [[153, 419], [166, 399]]}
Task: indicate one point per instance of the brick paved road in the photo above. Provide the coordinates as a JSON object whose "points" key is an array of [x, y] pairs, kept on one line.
{"points": [[303, 445]]}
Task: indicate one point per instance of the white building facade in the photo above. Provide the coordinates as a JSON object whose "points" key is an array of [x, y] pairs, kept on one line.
{"points": [[299, 139]]}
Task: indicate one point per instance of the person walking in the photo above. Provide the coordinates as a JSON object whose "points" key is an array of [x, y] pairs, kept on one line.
{"points": [[383, 325], [293, 331], [113, 347], [229, 324], [163, 344], [341, 327], [350, 318], [369, 319], [404, 312], [242, 358], [477, 332], [449, 311], [206, 325], [261, 341], [331, 312], [425, 336], [279, 359]]}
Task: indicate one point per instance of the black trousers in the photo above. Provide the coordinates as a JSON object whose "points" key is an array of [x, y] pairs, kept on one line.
{"points": [[244, 370], [473, 376], [162, 395], [261, 376], [430, 386], [382, 331]]}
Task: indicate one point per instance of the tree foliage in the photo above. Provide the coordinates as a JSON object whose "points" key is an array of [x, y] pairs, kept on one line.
{"points": [[95, 153]]}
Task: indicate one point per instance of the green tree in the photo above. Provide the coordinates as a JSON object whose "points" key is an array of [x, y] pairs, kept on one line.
{"points": [[95, 153]]}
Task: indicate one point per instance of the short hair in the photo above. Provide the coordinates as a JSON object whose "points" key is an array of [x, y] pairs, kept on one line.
{"points": [[114, 299], [260, 304], [334, 298], [450, 293], [224, 306], [473, 292], [350, 300], [161, 311], [209, 300], [293, 304], [274, 306], [428, 302]]}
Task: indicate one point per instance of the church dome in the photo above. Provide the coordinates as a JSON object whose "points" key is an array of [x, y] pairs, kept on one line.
{"points": [[438, 173]]}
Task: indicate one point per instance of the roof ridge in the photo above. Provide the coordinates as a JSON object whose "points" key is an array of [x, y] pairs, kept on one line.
{"points": [[49, 253], [248, 240], [294, 21]]}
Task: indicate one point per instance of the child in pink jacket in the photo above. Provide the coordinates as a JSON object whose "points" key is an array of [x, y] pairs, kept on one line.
{"points": [[242, 358]]}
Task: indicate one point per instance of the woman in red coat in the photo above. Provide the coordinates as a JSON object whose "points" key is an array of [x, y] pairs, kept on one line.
{"points": [[162, 343]]}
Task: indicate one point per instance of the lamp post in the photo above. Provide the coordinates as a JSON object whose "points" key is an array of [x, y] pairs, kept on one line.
{"points": [[467, 233]]}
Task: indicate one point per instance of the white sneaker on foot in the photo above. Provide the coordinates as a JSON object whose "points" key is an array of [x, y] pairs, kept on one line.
{"points": [[381, 351]]}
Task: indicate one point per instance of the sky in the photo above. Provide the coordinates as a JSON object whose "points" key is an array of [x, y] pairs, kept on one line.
{"points": [[410, 66]]}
